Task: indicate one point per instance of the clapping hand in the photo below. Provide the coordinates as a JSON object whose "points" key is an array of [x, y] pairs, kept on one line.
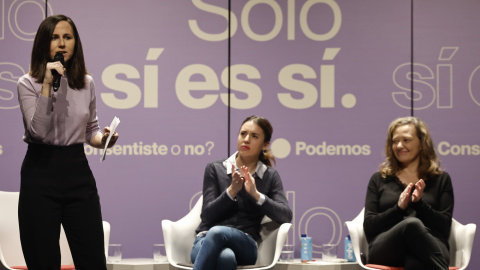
{"points": [[416, 195], [418, 192], [250, 186], [404, 198], [237, 180]]}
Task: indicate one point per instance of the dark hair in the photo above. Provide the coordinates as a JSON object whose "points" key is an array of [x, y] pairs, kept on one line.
{"points": [[266, 157], [429, 163], [41, 53]]}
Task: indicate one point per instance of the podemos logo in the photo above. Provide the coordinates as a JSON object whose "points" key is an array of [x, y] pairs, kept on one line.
{"points": [[281, 148]]}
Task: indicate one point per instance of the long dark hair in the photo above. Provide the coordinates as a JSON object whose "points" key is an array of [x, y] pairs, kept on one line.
{"points": [[266, 157], [41, 53]]}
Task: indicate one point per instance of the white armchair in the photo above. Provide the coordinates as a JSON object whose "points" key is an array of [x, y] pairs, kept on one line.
{"points": [[179, 237], [10, 247], [461, 242]]}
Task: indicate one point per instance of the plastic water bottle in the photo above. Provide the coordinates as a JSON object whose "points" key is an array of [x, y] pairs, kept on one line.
{"points": [[306, 248], [349, 255]]}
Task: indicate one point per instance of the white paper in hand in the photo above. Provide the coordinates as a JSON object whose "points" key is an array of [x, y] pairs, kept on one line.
{"points": [[113, 126]]}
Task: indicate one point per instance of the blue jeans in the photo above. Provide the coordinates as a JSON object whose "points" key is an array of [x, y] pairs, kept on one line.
{"points": [[223, 248]]}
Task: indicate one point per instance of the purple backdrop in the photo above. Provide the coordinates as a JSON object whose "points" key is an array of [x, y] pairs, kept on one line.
{"points": [[329, 75]]}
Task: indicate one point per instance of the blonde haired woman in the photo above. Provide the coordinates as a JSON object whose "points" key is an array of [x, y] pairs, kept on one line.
{"points": [[409, 202]]}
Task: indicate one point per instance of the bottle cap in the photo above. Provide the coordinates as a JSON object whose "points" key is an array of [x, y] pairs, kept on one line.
{"points": [[349, 237], [304, 235]]}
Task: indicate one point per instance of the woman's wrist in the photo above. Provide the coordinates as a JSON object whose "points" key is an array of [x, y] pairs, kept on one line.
{"points": [[231, 192], [46, 89]]}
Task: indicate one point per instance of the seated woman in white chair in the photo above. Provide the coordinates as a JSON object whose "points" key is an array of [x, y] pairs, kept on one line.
{"points": [[237, 193], [409, 202]]}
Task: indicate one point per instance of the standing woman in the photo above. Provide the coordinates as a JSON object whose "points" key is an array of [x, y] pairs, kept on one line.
{"points": [[57, 185], [237, 193], [409, 202]]}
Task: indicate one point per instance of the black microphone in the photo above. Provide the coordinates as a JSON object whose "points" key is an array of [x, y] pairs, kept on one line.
{"points": [[56, 75]]}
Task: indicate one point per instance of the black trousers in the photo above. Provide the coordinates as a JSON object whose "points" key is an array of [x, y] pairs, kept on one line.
{"points": [[409, 244], [58, 187]]}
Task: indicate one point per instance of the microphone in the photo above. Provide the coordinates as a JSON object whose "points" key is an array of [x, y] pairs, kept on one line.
{"points": [[56, 75]]}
